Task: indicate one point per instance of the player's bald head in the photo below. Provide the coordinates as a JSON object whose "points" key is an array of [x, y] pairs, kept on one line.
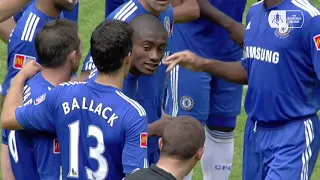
{"points": [[182, 138], [147, 23]]}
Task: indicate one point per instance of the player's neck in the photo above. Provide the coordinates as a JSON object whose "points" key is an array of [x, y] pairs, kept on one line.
{"points": [[148, 8], [134, 71], [177, 168], [56, 76], [269, 3], [111, 80], [48, 8]]}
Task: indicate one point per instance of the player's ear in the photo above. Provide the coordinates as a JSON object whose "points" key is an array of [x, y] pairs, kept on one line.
{"points": [[160, 143], [128, 59], [73, 57], [199, 153]]}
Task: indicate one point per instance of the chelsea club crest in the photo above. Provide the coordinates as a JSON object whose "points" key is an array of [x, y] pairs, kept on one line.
{"points": [[167, 25], [283, 30], [187, 103]]}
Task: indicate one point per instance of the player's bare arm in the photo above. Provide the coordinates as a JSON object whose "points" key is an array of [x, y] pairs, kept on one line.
{"points": [[6, 28], [157, 127], [8, 8], [235, 28], [14, 98], [6, 169], [185, 10], [230, 71]]}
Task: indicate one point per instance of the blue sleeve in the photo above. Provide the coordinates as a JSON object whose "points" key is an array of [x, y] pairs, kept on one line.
{"points": [[20, 52], [5, 134], [312, 43], [135, 155], [39, 116], [88, 64]]}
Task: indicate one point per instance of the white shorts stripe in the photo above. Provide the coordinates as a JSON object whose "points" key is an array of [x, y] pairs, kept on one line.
{"points": [[306, 155]]}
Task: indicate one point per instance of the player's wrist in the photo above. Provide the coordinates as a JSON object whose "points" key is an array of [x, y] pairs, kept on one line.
{"points": [[20, 78], [205, 65]]}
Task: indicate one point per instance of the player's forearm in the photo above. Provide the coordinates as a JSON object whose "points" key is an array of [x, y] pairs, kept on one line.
{"points": [[6, 170], [230, 71], [236, 29], [12, 101], [186, 11], [152, 130], [9, 8], [6, 28]]}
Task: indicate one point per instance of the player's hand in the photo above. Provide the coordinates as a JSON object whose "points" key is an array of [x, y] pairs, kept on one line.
{"points": [[186, 59], [30, 69]]}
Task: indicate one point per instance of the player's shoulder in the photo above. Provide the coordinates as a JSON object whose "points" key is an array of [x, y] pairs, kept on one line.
{"points": [[307, 8], [125, 12], [130, 104], [33, 89], [309, 13], [70, 88], [255, 8], [70, 85], [28, 25]]}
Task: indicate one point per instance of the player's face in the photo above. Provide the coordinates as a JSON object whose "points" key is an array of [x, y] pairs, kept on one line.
{"points": [[148, 50], [65, 5], [158, 5]]}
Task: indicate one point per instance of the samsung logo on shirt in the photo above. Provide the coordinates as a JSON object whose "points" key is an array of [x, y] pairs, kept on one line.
{"points": [[261, 54]]}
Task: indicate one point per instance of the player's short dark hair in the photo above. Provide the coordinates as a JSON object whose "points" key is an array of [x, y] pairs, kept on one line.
{"points": [[182, 138], [56, 40], [111, 42]]}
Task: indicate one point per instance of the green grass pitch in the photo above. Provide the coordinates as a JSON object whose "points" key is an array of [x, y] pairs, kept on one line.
{"points": [[91, 14]]}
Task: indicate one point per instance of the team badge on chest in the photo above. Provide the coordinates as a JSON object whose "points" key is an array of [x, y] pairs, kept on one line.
{"points": [[167, 25], [187, 103]]}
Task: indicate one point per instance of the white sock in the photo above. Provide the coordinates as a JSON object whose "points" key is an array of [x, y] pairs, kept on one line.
{"points": [[189, 176], [216, 161]]}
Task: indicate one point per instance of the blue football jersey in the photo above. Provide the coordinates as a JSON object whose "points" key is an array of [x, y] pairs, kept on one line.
{"points": [[21, 45], [102, 133], [282, 50], [150, 89], [209, 39], [33, 151]]}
